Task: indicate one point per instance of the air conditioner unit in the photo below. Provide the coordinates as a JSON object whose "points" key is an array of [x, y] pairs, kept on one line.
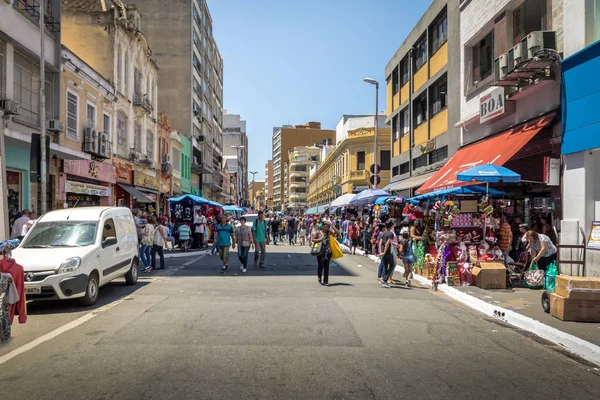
{"points": [[501, 66], [518, 55], [10, 107], [90, 141], [54, 125], [166, 158], [103, 147], [166, 168], [538, 40]]}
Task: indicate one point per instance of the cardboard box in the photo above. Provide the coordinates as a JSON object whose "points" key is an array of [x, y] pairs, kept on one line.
{"points": [[490, 275], [574, 310], [453, 280], [578, 287]]}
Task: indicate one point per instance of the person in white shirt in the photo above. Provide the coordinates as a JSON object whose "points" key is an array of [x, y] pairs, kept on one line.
{"points": [[27, 225], [17, 231]]}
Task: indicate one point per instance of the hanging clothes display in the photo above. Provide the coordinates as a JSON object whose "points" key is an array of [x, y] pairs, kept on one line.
{"points": [[10, 266], [8, 297]]}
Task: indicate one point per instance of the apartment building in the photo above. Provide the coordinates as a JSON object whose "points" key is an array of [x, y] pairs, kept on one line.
{"points": [[423, 97], [345, 168], [235, 153], [121, 53], [269, 184], [257, 190], [191, 76], [287, 137], [300, 160]]}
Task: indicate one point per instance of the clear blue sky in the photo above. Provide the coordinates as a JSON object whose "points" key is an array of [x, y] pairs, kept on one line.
{"points": [[293, 61]]}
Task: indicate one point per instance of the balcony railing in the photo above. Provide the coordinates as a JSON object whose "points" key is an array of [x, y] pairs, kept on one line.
{"points": [[362, 174], [141, 100]]}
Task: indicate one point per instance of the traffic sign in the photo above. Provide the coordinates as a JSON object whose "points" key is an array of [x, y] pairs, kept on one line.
{"points": [[375, 177], [375, 168]]}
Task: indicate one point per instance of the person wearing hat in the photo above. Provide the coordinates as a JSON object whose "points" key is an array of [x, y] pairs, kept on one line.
{"points": [[521, 244]]}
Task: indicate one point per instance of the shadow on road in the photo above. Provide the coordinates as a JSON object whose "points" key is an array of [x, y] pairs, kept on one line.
{"points": [[109, 293]]}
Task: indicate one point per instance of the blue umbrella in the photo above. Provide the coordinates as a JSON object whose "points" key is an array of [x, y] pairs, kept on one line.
{"points": [[488, 173], [232, 208], [368, 197], [381, 200]]}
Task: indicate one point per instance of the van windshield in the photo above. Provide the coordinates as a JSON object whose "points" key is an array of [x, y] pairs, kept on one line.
{"points": [[61, 234]]}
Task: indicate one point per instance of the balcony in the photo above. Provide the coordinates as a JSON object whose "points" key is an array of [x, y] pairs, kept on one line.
{"points": [[298, 174], [297, 184], [358, 175], [142, 100]]}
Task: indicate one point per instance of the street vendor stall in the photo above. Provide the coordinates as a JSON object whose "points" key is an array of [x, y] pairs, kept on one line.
{"points": [[183, 208]]}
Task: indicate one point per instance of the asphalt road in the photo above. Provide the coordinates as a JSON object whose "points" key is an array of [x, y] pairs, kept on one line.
{"points": [[191, 333]]}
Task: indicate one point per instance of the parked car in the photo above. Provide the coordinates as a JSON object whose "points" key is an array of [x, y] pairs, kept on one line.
{"points": [[71, 253], [250, 218]]}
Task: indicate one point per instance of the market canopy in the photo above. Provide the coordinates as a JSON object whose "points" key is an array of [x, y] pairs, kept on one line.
{"points": [[489, 173], [413, 181], [495, 150], [381, 200], [475, 189], [368, 197], [232, 208], [343, 200], [135, 193], [194, 199], [389, 187]]}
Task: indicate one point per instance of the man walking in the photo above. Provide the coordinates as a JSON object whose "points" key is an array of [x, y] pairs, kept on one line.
{"points": [[225, 239], [259, 235], [275, 229], [291, 230]]}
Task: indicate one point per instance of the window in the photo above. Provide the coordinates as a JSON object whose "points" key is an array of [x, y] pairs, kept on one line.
{"points": [[108, 230], [121, 129], [385, 160], [360, 160], [420, 52], [404, 122], [404, 168], [119, 66], [395, 128], [196, 86], [125, 74], [137, 138], [26, 88], [150, 144], [592, 21], [197, 64], [72, 115], [176, 158], [2, 74], [420, 161], [531, 16], [299, 168], [483, 58], [137, 81], [90, 116], [438, 95], [438, 155], [395, 170], [197, 17], [395, 81], [106, 128], [196, 109], [404, 71], [439, 32], [420, 107]]}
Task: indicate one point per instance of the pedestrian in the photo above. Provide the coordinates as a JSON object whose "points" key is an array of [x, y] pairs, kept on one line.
{"points": [[185, 233], [353, 232], [225, 239], [243, 237], [377, 251], [345, 225], [504, 240], [160, 239], [291, 230], [147, 241], [17, 229], [302, 233], [259, 233], [275, 229], [198, 230], [408, 257], [323, 260], [27, 225], [314, 228], [542, 249], [386, 254], [521, 243]]}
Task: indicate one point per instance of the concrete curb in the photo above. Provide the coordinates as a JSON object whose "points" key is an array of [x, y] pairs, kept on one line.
{"points": [[573, 344]]}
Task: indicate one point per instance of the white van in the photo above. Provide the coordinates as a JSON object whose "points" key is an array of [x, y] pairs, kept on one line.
{"points": [[70, 253]]}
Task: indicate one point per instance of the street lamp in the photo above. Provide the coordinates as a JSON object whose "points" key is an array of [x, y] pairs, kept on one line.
{"points": [[253, 195], [374, 82], [240, 168]]}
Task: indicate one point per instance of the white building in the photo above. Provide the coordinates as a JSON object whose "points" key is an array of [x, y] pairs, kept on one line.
{"points": [[352, 122], [235, 152]]}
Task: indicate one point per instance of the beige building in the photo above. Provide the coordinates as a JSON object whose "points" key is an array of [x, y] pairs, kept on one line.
{"points": [[269, 183], [287, 137], [257, 191], [300, 160], [121, 53]]}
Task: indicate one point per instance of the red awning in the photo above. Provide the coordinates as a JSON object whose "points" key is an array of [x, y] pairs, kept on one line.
{"points": [[495, 150]]}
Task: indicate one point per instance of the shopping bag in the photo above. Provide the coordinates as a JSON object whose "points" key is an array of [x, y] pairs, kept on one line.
{"points": [[534, 277], [551, 272], [336, 251], [317, 249]]}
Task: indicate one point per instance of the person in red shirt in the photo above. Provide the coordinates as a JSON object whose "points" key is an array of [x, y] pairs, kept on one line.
{"points": [[353, 232], [10, 266]]}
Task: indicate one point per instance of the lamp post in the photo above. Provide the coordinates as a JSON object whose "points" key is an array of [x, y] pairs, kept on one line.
{"points": [[253, 194], [374, 82], [240, 172]]}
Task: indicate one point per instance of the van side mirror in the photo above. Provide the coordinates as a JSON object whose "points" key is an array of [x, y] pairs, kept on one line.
{"points": [[109, 241]]}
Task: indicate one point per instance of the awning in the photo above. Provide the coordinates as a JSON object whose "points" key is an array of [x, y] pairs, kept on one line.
{"points": [[475, 189], [495, 150], [392, 184], [413, 181], [141, 197], [143, 189]]}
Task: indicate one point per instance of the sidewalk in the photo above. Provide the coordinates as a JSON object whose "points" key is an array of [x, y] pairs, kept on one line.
{"points": [[522, 309]]}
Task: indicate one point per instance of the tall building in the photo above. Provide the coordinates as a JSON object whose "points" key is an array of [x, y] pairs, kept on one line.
{"points": [[269, 183], [191, 78], [256, 199], [235, 152], [345, 168], [287, 137], [423, 97], [300, 160], [120, 52]]}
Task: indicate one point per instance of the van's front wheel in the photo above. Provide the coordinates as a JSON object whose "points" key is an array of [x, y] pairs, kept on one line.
{"points": [[131, 276], [91, 291]]}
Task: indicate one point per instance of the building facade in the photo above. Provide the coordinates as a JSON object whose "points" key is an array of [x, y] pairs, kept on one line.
{"points": [[423, 97], [269, 184], [257, 189], [164, 161], [176, 150], [287, 137], [121, 53], [300, 160], [345, 168], [235, 152], [191, 77]]}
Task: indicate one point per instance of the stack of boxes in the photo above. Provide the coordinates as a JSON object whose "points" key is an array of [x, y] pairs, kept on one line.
{"points": [[576, 299]]}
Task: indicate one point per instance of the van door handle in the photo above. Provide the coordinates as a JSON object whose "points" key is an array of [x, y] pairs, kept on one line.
{"points": [[118, 249]]}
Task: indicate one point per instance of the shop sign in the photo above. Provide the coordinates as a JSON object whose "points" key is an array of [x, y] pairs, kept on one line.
{"points": [[594, 241], [96, 170], [144, 180], [551, 171], [124, 172], [428, 147], [493, 106], [87, 188]]}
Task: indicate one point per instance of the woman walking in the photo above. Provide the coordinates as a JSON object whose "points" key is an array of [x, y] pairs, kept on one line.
{"points": [[408, 257], [158, 245], [243, 236], [322, 236], [386, 254], [302, 229], [542, 249], [147, 234]]}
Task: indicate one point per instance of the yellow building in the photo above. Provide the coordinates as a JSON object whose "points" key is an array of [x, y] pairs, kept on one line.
{"points": [[346, 168]]}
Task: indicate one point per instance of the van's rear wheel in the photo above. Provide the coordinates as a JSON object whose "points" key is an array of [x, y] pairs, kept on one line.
{"points": [[131, 276], [91, 291]]}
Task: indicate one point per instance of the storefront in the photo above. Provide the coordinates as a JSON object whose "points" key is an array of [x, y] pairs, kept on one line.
{"points": [[149, 186], [17, 176], [86, 183], [125, 192]]}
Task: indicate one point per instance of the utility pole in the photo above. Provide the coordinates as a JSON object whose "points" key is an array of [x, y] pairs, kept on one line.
{"points": [[43, 172], [253, 194]]}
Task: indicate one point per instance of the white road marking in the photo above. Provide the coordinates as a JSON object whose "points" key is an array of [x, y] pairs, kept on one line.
{"points": [[192, 261], [65, 328]]}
